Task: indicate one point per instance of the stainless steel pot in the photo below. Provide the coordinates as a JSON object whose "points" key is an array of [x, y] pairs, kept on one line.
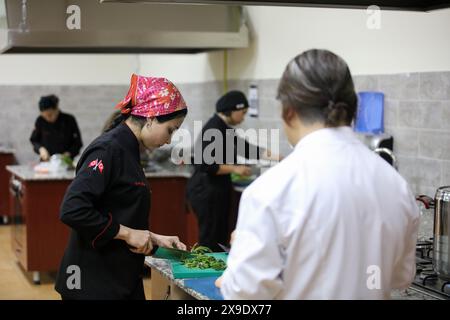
{"points": [[441, 251]]}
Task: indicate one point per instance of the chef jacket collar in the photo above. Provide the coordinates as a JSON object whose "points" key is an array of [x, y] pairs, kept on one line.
{"points": [[128, 140], [344, 133], [222, 121]]}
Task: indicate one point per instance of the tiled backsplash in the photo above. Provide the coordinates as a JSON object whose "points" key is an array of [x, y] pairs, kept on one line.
{"points": [[91, 105], [417, 114]]}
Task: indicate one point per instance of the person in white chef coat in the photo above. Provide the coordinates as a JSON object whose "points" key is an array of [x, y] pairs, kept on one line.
{"points": [[333, 220]]}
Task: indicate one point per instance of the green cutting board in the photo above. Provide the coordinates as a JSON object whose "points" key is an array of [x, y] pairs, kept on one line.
{"points": [[180, 271]]}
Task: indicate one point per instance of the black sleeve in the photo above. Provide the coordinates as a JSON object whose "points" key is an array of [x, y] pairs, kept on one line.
{"points": [[35, 138], [78, 209], [75, 134], [246, 149]]}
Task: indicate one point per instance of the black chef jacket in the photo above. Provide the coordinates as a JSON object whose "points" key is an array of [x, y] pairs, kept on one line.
{"points": [[229, 152], [210, 194], [61, 136], [110, 188]]}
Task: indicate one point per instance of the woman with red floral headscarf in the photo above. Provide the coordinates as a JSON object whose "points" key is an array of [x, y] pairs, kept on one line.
{"points": [[108, 202]]}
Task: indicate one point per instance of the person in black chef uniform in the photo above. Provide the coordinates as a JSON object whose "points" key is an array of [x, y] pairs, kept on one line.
{"points": [[209, 188], [108, 203], [55, 132]]}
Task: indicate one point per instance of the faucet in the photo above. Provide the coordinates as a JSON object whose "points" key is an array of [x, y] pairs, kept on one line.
{"points": [[389, 153]]}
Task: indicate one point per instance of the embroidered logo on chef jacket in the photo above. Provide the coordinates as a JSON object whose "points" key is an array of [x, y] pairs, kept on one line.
{"points": [[96, 164], [140, 184]]}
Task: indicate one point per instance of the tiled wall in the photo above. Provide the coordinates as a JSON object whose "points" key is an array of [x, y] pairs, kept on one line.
{"points": [[417, 114], [91, 105]]}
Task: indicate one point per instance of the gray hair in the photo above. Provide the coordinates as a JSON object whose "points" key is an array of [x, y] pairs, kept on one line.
{"points": [[317, 84]]}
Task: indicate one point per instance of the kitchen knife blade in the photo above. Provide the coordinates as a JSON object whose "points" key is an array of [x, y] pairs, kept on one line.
{"points": [[224, 248]]}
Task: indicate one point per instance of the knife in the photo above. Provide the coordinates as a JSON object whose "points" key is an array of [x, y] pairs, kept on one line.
{"points": [[172, 252], [179, 251], [224, 248]]}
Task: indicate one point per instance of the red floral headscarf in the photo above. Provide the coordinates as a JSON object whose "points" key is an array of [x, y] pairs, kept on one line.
{"points": [[151, 97]]}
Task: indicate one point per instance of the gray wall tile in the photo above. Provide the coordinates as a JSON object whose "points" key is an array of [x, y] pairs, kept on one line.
{"points": [[436, 114], [435, 86], [267, 89], [406, 142], [420, 172], [424, 114], [399, 86], [411, 114], [417, 114], [269, 108], [426, 190], [391, 112], [365, 83], [445, 180], [434, 144]]}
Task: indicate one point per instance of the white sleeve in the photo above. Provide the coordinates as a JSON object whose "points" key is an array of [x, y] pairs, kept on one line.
{"points": [[255, 261], [405, 269]]}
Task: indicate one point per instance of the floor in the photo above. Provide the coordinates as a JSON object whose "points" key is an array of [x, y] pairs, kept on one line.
{"points": [[16, 284]]}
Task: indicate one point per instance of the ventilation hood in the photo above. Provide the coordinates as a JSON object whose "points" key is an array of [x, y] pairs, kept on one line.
{"points": [[414, 5], [89, 26]]}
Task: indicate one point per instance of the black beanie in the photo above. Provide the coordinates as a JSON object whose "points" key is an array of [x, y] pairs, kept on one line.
{"points": [[48, 102], [231, 101]]}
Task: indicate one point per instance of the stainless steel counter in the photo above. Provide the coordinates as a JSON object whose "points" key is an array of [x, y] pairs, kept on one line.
{"points": [[27, 173], [162, 266], [6, 150]]}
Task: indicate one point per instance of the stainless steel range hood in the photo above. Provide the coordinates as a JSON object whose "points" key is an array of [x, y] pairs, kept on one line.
{"points": [[46, 26], [409, 5]]}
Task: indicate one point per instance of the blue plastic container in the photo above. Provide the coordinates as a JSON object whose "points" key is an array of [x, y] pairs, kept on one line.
{"points": [[370, 113]]}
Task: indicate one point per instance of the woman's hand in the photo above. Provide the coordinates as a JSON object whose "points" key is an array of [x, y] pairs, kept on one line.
{"points": [[167, 241], [139, 241], [218, 282], [269, 155], [232, 236], [242, 170], [43, 154]]}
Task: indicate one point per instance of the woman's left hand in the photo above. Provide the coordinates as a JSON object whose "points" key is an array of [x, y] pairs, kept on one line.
{"points": [[167, 241], [269, 155], [218, 282]]}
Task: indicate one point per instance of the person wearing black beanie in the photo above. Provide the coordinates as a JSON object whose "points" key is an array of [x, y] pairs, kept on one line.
{"points": [[209, 188], [232, 101], [55, 132]]}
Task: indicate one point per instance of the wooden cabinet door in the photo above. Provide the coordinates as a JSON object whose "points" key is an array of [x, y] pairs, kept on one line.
{"points": [[19, 236], [168, 207], [5, 160]]}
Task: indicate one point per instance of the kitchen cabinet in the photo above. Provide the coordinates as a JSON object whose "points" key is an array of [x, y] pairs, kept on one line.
{"points": [[169, 213], [38, 236], [6, 158]]}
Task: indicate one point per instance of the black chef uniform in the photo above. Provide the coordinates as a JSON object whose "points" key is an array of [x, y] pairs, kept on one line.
{"points": [[110, 188], [61, 136], [210, 194]]}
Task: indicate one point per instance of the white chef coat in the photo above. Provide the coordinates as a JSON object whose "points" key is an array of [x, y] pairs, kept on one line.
{"points": [[333, 220]]}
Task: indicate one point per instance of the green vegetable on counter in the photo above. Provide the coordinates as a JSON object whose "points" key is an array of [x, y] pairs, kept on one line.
{"points": [[68, 161], [201, 260], [237, 178]]}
